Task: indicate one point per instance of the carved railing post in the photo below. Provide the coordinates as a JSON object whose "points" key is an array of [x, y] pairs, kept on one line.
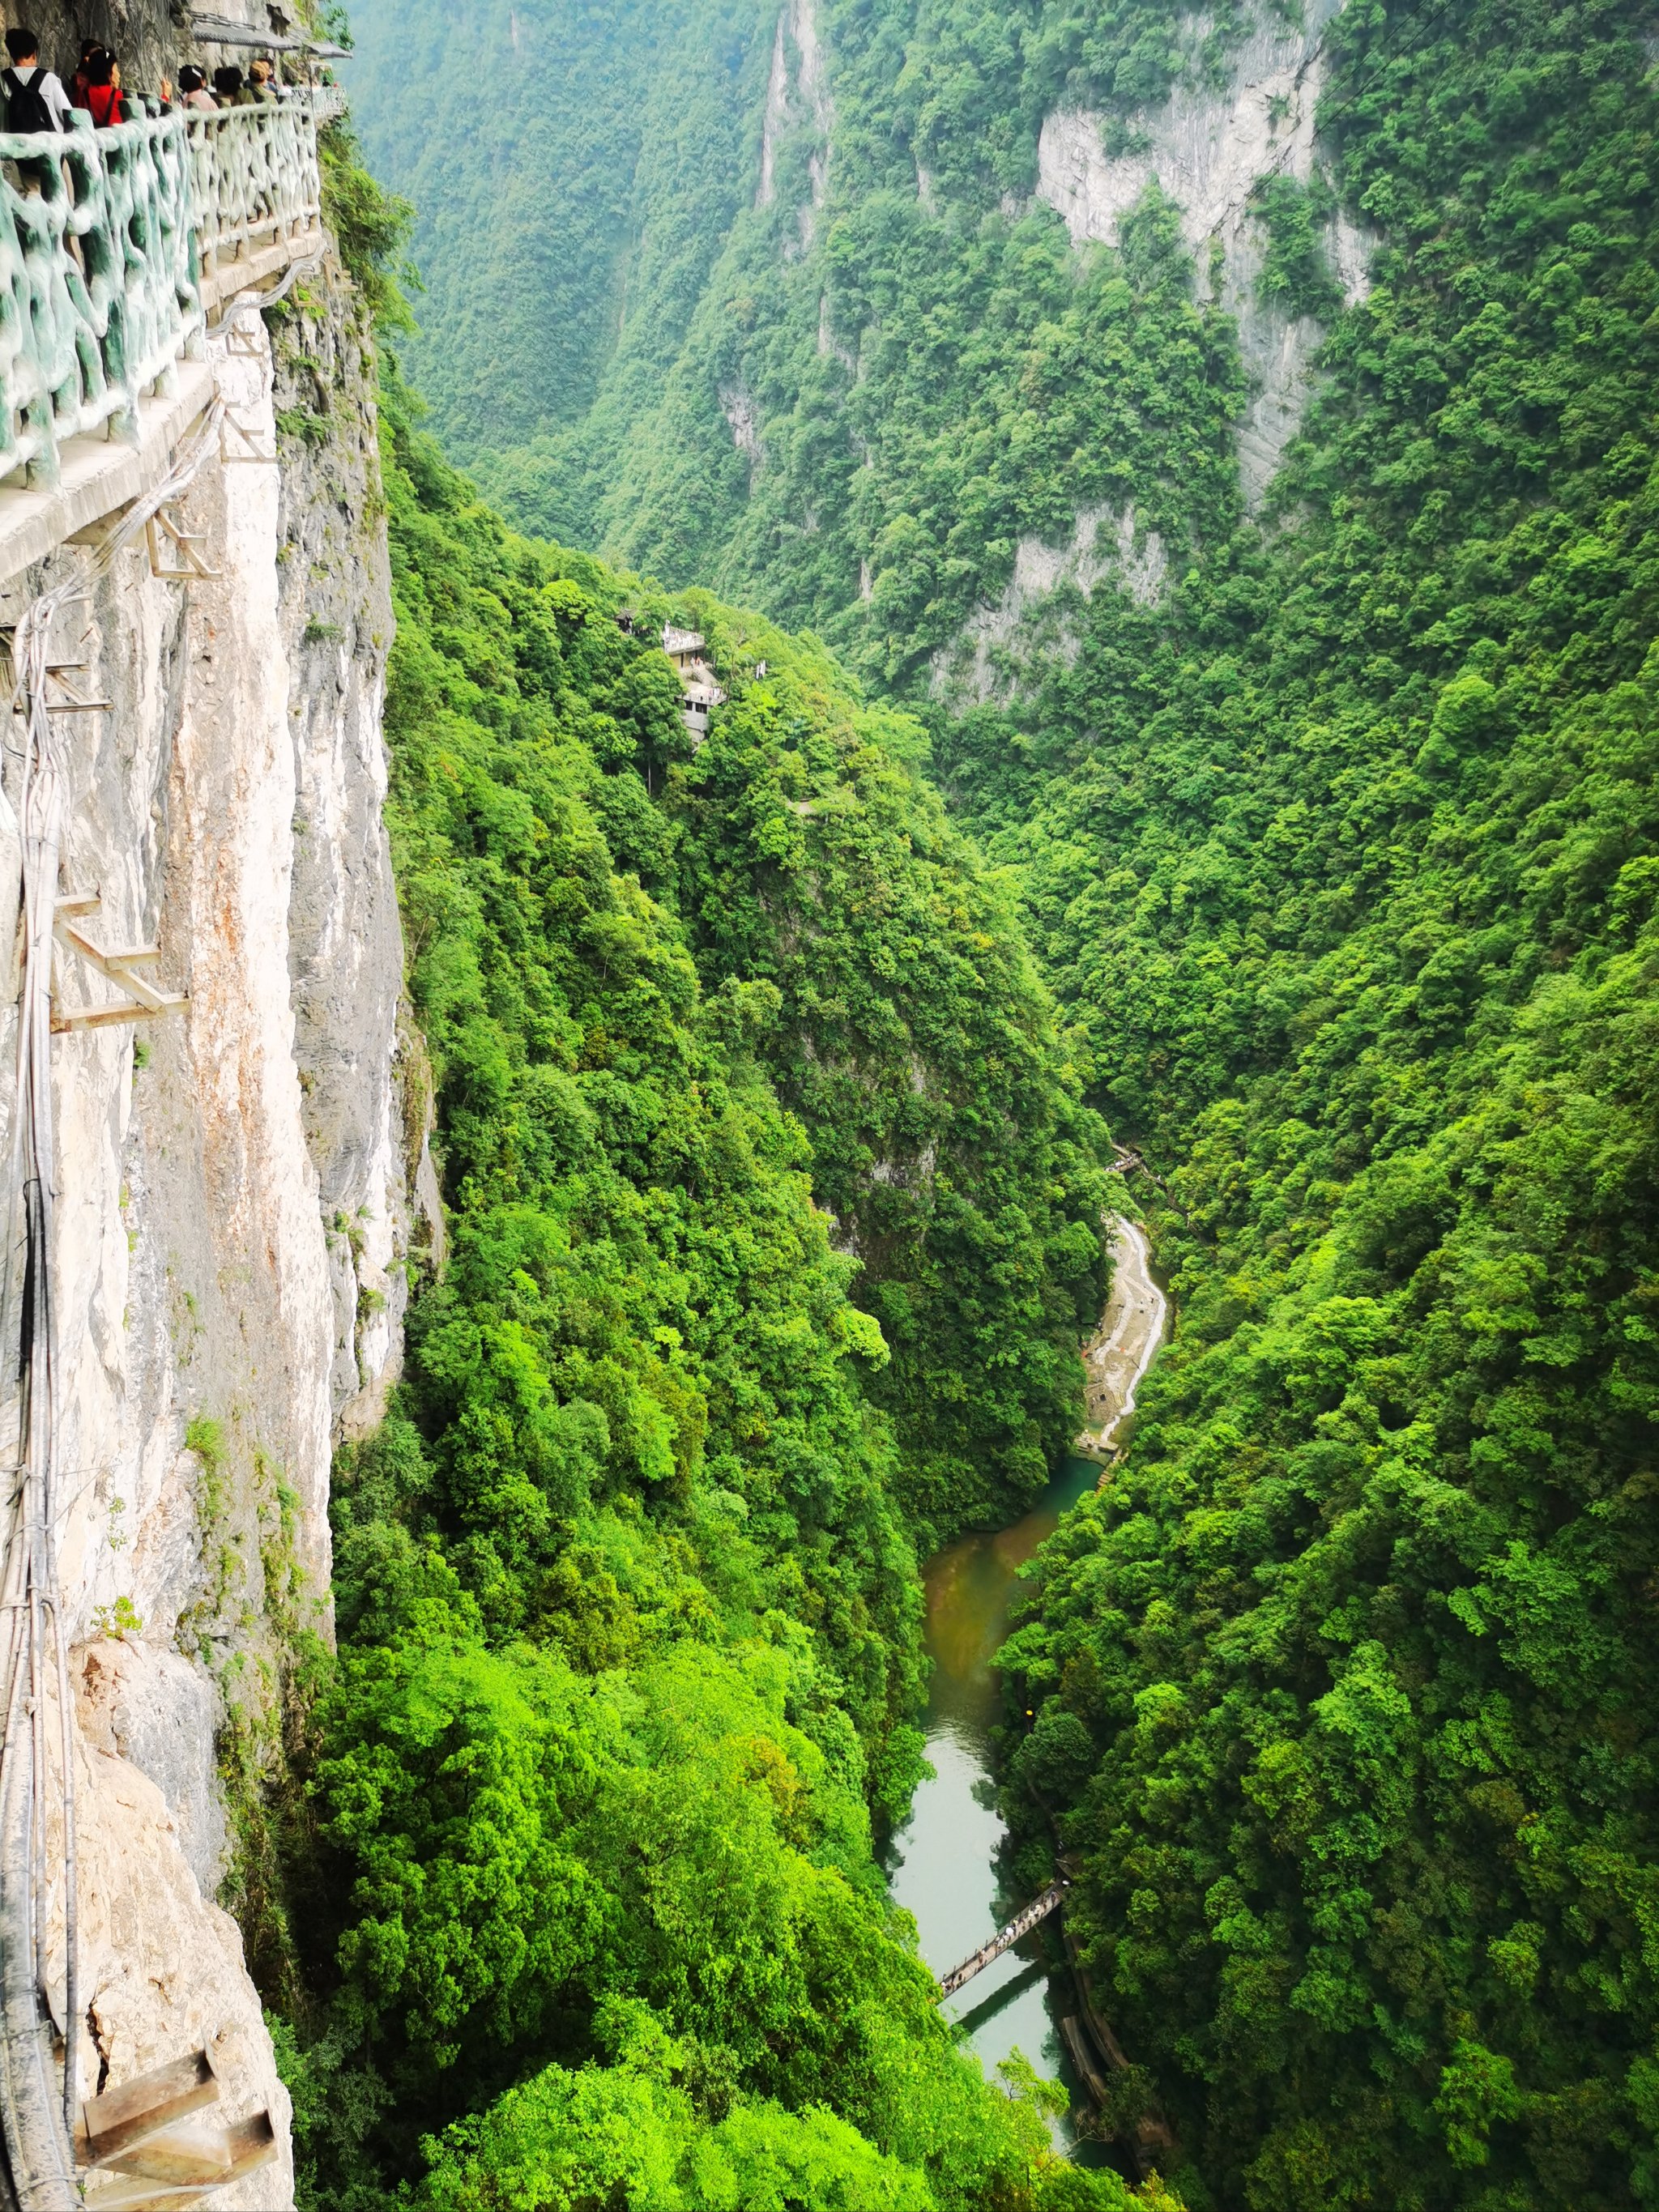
{"points": [[256, 177]]}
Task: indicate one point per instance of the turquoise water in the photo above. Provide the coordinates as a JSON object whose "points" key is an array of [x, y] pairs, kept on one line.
{"points": [[945, 1856]]}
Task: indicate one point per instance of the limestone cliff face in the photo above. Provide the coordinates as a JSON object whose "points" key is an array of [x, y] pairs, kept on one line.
{"points": [[1208, 147], [234, 1211]]}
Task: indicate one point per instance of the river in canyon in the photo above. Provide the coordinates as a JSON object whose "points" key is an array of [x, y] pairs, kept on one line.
{"points": [[944, 1861]]}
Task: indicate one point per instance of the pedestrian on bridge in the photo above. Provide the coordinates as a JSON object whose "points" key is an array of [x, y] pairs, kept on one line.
{"points": [[230, 89]]}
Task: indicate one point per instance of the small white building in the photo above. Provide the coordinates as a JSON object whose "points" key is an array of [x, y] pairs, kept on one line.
{"points": [[684, 647]]}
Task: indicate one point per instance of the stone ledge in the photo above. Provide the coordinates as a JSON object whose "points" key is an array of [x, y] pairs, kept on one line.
{"points": [[97, 475]]}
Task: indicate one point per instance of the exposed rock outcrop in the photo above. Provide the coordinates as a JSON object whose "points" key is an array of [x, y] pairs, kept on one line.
{"points": [[234, 1206], [742, 420], [798, 99], [1207, 150], [1002, 649]]}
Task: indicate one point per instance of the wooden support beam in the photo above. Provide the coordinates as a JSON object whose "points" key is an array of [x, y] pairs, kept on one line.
{"points": [[253, 454], [144, 1002], [109, 963], [146, 2105], [252, 2144], [129, 2194], [110, 1016], [176, 2154], [142, 2159], [185, 542]]}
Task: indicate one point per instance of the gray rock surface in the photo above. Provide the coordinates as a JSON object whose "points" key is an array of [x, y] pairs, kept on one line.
{"points": [[366, 1095], [160, 1711], [1207, 149], [218, 1331]]}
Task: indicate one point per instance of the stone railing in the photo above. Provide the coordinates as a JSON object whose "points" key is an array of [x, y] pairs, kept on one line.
{"points": [[254, 177], [112, 245]]}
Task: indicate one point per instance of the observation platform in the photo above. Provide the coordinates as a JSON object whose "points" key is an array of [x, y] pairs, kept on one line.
{"points": [[116, 248]]}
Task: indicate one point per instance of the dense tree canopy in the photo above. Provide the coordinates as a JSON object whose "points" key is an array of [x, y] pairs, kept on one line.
{"points": [[585, 1901], [1343, 855], [1336, 839]]}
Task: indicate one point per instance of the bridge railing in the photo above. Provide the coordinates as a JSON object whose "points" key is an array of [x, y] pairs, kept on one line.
{"points": [[107, 240], [98, 296]]}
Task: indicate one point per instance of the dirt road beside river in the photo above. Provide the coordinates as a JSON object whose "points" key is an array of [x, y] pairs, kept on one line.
{"points": [[1120, 1350]]}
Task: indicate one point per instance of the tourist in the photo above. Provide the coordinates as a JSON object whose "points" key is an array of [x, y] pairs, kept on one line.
{"points": [[35, 98], [229, 89], [192, 88], [81, 80], [102, 100], [261, 78]]}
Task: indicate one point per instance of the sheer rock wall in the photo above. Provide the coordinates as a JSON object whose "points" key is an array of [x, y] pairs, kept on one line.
{"points": [[234, 1212], [1206, 149]]}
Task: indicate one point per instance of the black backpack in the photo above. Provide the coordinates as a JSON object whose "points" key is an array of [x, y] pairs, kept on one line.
{"points": [[26, 104]]}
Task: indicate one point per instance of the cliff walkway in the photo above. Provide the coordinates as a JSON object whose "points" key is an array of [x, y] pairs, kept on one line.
{"points": [[116, 248], [122, 251]]}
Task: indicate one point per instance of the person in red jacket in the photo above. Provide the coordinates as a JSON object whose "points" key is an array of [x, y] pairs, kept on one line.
{"points": [[102, 96]]}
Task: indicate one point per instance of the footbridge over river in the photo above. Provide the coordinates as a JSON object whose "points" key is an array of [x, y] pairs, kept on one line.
{"points": [[1005, 1939], [124, 254]]}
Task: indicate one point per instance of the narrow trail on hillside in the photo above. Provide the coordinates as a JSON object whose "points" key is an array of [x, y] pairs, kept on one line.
{"points": [[1118, 1354]]}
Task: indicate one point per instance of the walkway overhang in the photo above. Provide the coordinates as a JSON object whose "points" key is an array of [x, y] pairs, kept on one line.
{"points": [[99, 475], [222, 30]]}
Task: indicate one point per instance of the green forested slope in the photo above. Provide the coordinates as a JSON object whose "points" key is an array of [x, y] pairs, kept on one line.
{"points": [[928, 379], [572, 168], [1345, 853], [1339, 850], [515, 132], [582, 1905], [893, 1002]]}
